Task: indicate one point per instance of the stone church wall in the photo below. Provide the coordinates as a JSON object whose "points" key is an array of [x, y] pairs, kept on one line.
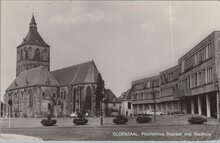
{"points": [[48, 97], [26, 58], [28, 102]]}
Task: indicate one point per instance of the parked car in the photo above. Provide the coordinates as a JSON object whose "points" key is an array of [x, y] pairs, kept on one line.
{"points": [[73, 115], [151, 112]]}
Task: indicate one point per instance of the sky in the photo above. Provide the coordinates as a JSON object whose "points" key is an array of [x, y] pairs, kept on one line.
{"points": [[128, 40]]}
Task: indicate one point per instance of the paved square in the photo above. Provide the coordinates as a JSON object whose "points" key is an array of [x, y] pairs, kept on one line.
{"points": [[167, 127]]}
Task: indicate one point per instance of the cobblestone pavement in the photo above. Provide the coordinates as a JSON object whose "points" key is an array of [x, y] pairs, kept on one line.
{"points": [[95, 122], [166, 127]]}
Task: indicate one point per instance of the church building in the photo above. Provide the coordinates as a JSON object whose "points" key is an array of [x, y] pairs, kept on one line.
{"points": [[36, 91]]}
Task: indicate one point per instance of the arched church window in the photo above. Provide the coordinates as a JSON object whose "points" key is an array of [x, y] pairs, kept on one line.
{"points": [[61, 95], [21, 55], [29, 52], [64, 96], [37, 54], [43, 94], [26, 54], [45, 54], [88, 98], [58, 95], [54, 95], [18, 56]]}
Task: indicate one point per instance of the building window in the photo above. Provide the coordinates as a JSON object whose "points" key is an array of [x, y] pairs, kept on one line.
{"points": [[54, 95], [208, 51], [29, 52], [135, 96], [196, 80], [64, 96], [43, 94], [37, 54], [182, 66], [61, 95], [188, 82], [129, 105], [189, 63], [201, 78], [209, 74], [45, 55], [26, 54], [58, 95], [195, 58], [18, 55], [141, 96], [21, 55]]}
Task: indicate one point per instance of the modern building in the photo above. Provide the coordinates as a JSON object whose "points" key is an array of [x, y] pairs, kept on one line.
{"points": [[37, 91], [145, 94], [168, 88], [190, 87], [199, 70], [126, 107]]}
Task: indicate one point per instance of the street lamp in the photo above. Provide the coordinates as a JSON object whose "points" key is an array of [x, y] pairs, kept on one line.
{"points": [[102, 94]]}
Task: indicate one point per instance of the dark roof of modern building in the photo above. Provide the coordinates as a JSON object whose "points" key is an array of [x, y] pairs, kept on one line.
{"points": [[125, 96], [36, 76], [151, 78], [77, 74], [200, 45], [33, 37]]}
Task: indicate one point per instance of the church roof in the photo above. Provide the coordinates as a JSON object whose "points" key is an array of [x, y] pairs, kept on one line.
{"points": [[125, 96], [33, 37], [77, 74], [36, 76], [110, 96]]}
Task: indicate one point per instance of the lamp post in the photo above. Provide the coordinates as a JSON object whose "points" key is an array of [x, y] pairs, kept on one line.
{"points": [[101, 121], [101, 110], [10, 110], [99, 95]]}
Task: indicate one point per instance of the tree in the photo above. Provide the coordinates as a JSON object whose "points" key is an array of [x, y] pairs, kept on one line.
{"points": [[1, 109], [153, 92], [99, 94]]}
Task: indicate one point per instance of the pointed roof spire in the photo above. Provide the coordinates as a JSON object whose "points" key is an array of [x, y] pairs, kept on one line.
{"points": [[33, 20], [33, 37]]}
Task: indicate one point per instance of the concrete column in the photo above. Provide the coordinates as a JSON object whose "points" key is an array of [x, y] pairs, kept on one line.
{"points": [[208, 106], [199, 105], [192, 106], [218, 110]]}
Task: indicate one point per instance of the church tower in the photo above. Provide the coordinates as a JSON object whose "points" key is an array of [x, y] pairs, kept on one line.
{"points": [[33, 51]]}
